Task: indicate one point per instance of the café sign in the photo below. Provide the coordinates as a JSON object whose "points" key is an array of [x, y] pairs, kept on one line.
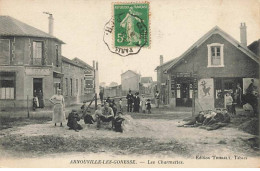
{"points": [[38, 71]]}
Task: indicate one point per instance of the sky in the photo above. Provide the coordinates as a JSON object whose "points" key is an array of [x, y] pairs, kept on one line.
{"points": [[174, 26]]}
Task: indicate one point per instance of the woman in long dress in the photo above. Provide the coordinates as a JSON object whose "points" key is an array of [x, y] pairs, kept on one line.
{"points": [[58, 109], [143, 102]]}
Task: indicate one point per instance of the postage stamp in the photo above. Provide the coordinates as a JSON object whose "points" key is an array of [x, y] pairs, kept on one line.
{"points": [[131, 25], [128, 30]]}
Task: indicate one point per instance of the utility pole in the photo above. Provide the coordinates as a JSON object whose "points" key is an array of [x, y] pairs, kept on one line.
{"points": [[94, 69], [194, 87]]}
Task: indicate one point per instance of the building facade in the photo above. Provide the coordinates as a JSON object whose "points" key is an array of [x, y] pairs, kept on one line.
{"points": [[146, 85], [30, 64], [74, 82], [211, 67], [88, 76], [130, 81]]}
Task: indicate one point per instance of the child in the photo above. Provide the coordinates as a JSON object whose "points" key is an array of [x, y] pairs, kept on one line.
{"points": [[73, 119], [89, 119], [83, 107], [229, 101], [118, 122], [120, 106], [148, 105], [35, 102]]}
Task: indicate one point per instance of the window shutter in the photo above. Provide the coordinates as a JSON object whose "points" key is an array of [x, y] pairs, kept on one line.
{"points": [[4, 52]]}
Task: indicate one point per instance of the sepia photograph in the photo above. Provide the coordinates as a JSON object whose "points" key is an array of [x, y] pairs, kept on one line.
{"points": [[129, 84]]}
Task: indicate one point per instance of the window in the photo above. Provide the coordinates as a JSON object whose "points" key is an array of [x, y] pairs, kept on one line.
{"points": [[57, 55], [71, 88], [81, 86], [215, 55], [67, 87], [37, 52], [7, 85], [77, 86], [4, 51], [56, 87]]}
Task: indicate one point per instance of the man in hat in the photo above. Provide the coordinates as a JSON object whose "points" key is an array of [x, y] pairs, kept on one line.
{"points": [[129, 98]]}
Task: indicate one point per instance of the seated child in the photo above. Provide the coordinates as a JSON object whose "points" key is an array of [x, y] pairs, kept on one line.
{"points": [[118, 122], [148, 105], [73, 119], [83, 107], [89, 119]]}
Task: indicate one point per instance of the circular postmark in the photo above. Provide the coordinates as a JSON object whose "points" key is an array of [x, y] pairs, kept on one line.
{"points": [[127, 31]]}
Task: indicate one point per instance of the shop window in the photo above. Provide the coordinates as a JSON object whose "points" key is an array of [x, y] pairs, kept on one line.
{"points": [[37, 52], [7, 85], [4, 51], [215, 55]]}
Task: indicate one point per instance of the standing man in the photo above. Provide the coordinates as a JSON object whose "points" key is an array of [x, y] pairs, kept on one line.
{"points": [[157, 97], [136, 102], [129, 98], [101, 95]]}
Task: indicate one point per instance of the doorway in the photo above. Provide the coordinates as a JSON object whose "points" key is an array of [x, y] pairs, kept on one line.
{"points": [[38, 90], [184, 92]]}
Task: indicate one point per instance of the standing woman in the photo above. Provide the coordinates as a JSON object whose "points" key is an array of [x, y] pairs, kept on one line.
{"points": [[143, 102], [59, 108]]}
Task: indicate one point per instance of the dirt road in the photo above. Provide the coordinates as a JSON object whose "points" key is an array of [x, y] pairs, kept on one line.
{"points": [[148, 136]]}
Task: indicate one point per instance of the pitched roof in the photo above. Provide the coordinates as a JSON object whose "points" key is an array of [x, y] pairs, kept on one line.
{"points": [[65, 59], [130, 71], [12, 27], [77, 60], [146, 80], [214, 30], [255, 47]]}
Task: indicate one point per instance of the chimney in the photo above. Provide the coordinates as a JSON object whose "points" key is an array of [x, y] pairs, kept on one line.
{"points": [[243, 35], [97, 65], [50, 24], [161, 59]]}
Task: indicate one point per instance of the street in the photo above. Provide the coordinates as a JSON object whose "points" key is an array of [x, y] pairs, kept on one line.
{"points": [[155, 134]]}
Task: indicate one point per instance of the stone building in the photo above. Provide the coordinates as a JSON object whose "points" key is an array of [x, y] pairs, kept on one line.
{"points": [[212, 66], [130, 81], [74, 82], [30, 63]]}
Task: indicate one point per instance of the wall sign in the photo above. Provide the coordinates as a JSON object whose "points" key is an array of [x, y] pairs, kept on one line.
{"points": [[38, 71]]}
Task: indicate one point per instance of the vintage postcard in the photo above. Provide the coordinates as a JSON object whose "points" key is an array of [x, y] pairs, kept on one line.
{"points": [[129, 84]]}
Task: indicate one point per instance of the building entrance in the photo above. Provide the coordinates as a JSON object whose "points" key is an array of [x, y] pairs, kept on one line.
{"points": [[38, 90], [184, 92]]}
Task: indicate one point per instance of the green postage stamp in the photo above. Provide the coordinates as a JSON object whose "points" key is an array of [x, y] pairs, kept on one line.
{"points": [[131, 25]]}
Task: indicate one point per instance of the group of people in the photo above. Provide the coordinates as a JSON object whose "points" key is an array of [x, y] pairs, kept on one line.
{"points": [[236, 97], [107, 111], [134, 102], [233, 98], [38, 99]]}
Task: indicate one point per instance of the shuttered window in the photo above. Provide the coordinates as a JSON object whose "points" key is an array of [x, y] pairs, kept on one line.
{"points": [[7, 85], [37, 53], [4, 51]]}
